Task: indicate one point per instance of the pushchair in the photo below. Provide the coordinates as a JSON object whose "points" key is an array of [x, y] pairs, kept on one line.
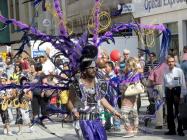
{"points": [[183, 113], [155, 103]]}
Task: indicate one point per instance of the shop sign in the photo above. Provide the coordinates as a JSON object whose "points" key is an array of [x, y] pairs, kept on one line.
{"points": [[126, 8], [153, 4], [38, 53]]}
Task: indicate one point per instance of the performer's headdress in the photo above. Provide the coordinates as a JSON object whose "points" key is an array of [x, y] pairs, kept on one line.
{"points": [[88, 58]]}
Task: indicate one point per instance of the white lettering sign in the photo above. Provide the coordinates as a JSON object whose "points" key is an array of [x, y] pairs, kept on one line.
{"points": [[153, 4], [126, 8]]}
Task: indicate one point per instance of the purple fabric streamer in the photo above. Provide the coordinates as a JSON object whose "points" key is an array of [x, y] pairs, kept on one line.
{"points": [[159, 27], [3, 19], [122, 26], [21, 25], [107, 36], [96, 20], [63, 30], [31, 86], [83, 40], [36, 2]]}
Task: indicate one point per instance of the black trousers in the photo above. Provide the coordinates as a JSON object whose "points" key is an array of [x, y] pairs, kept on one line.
{"points": [[173, 99], [39, 104]]}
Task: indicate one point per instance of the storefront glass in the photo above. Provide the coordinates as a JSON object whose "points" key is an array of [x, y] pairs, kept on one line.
{"points": [[174, 45]]}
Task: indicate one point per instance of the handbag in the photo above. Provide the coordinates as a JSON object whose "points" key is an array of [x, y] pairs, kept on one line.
{"points": [[134, 89]]}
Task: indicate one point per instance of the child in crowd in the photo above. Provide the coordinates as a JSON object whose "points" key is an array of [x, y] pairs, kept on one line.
{"points": [[4, 96], [22, 113]]}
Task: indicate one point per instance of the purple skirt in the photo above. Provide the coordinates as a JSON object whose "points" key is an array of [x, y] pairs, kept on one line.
{"points": [[93, 130]]}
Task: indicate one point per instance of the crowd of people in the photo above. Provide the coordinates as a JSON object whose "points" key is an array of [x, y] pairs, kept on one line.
{"points": [[98, 89]]}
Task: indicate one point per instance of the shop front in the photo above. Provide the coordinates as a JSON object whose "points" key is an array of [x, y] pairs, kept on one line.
{"points": [[171, 13]]}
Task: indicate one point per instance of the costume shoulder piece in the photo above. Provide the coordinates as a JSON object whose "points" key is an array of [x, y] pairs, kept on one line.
{"points": [[75, 88], [103, 86]]}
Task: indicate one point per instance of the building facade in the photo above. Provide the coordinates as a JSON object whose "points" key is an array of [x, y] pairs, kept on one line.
{"points": [[21, 12], [79, 12], [171, 13], [44, 21], [35, 16], [4, 34]]}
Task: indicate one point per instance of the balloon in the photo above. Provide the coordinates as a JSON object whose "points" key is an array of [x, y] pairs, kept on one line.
{"points": [[115, 55]]}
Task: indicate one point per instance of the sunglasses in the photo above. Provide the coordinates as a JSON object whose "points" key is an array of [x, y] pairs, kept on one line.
{"points": [[91, 68]]}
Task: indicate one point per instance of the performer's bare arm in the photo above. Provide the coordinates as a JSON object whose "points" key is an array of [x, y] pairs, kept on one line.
{"points": [[105, 103], [70, 104]]}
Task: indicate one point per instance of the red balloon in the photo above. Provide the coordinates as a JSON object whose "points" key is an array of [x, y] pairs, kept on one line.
{"points": [[115, 55]]}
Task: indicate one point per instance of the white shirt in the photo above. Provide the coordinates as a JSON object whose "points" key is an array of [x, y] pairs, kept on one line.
{"points": [[175, 78], [48, 67]]}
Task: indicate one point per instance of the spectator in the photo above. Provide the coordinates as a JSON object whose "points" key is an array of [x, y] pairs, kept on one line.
{"points": [[126, 54], [2, 65], [4, 113], [101, 63], [47, 65], [156, 78], [112, 96], [36, 99], [109, 70], [10, 67], [15, 77], [22, 113], [151, 64], [129, 104], [25, 64], [175, 89], [184, 62]]}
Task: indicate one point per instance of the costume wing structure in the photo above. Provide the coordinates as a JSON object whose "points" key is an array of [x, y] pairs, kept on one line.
{"points": [[25, 42]]}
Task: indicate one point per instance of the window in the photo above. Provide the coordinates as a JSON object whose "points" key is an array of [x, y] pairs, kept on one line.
{"points": [[14, 12], [11, 14], [17, 9], [173, 27], [174, 45], [71, 1]]}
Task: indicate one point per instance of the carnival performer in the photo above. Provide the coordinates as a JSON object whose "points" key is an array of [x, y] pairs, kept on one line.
{"points": [[22, 112], [129, 103], [4, 97], [87, 98]]}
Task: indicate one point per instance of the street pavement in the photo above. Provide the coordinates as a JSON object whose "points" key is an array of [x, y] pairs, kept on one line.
{"points": [[67, 132]]}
